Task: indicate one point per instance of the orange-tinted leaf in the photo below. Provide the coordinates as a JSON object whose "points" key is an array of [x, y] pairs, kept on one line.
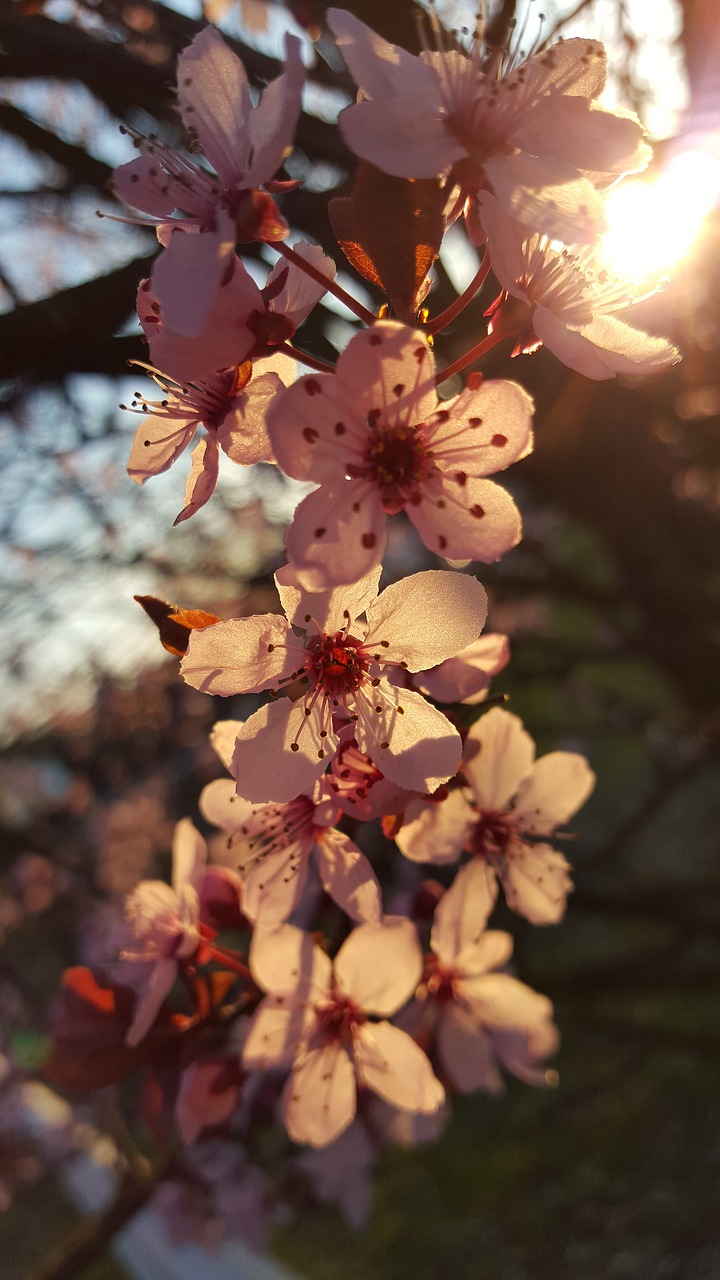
{"points": [[391, 229], [175, 624]]}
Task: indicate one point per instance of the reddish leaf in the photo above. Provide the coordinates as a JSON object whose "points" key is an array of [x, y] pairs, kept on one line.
{"points": [[174, 623], [391, 229]]}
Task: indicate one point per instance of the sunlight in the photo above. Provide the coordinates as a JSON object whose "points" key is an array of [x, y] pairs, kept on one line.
{"points": [[653, 225]]}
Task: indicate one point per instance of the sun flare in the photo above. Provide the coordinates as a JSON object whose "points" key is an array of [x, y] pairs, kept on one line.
{"points": [[652, 225]]}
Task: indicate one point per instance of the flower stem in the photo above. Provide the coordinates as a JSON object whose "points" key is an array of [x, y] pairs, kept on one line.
{"points": [[470, 356], [454, 310], [320, 278], [311, 361]]}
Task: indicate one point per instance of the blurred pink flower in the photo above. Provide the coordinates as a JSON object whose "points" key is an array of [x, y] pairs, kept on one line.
{"points": [[509, 799], [316, 1016]]}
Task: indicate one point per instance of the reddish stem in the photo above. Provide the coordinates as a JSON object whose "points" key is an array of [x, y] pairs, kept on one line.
{"points": [[311, 361], [320, 278], [470, 356], [224, 957], [458, 306]]}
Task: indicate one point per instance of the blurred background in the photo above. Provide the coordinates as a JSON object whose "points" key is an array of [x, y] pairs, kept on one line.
{"points": [[611, 602]]}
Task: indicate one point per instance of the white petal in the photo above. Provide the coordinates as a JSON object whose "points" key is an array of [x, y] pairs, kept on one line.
{"points": [[275, 1032], [465, 518], [328, 609], [223, 737], [219, 802], [411, 742], [319, 1099], [392, 1065], [427, 617], [498, 756], [380, 965], [464, 909], [348, 877], [189, 856], [158, 442], [202, 478]]}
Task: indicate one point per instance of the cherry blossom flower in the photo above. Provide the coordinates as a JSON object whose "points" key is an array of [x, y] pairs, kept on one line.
{"points": [[342, 667], [567, 301], [244, 145], [274, 845], [535, 137], [317, 1016], [242, 322], [162, 927], [377, 440], [509, 802], [230, 405], [360, 789], [480, 1018]]}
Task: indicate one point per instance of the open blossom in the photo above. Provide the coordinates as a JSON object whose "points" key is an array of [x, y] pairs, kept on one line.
{"points": [[230, 405], [342, 667], [318, 1017], [377, 440], [162, 927], [245, 146], [243, 321], [535, 137], [275, 844], [566, 300], [509, 803], [480, 1019]]}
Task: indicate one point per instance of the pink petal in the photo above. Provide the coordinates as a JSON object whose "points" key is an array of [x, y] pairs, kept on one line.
{"points": [[273, 122], [392, 1065], [219, 802], [299, 295], [389, 370], [200, 1103], [577, 67], [348, 877], [427, 617], [189, 856], [586, 137], [316, 431], [465, 907], [403, 137], [319, 1099], [557, 787], [380, 965], [273, 883], [285, 961], [187, 275], [503, 1003], [625, 349], [462, 517], [544, 194], [337, 535], [498, 756], [486, 430], [492, 950], [412, 743], [536, 881], [243, 435], [508, 244], [158, 442], [143, 184], [436, 832], [160, 983], [378, 67], [466, 678], [275, 1033], [327, 609], [244, 655], [223, 737], [202, 479], [266, 767], [214, 101], [466, 1052]]}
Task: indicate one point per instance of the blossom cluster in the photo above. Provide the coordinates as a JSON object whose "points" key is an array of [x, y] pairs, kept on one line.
{"points": [[349, 1008]]}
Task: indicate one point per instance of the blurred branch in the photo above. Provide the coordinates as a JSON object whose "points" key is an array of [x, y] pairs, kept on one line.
{"points": [[85, 169]]}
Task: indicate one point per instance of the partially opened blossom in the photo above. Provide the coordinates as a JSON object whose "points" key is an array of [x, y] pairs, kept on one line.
{"points": [[480, 1020], [242, 322], [318, 1018], [567, 301], [162, 927], [534, 137], [275, 845], [377, 440], [500, 815], [230, 405], [244, 145], [341, 667]]}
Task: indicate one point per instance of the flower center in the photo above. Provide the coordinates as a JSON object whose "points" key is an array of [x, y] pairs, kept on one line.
{"points": [[336, 665], [491, 834], [396, 459], [439, 982], [337, 1017]]}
